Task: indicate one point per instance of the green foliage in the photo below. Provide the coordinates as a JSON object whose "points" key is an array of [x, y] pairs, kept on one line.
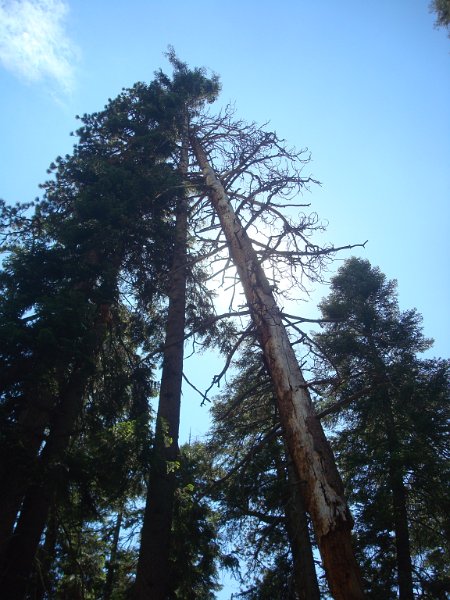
{"points": [[273, 582], [83, 279], [393, 427], [99, 241], [191, 87], [252, 488], [107, 210], [441, 9], [195, 551]]}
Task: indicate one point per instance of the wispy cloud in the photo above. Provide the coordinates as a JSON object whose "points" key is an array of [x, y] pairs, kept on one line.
{"points": [[34, 44]]}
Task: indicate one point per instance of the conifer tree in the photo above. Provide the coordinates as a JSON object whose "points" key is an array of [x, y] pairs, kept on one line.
{"points": [[260, 497], [311, 454], [115, 226], [187, 92], [391, 409], [105, 214]]}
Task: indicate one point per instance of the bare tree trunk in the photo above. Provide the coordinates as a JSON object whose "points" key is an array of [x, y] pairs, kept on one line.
{"points": [[153, 570], [308, 447]]}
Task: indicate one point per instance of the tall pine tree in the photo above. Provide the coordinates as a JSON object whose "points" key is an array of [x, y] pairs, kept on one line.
{"points": [[392, 409]]}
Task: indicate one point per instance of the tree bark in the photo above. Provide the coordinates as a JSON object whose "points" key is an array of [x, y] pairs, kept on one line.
{"points": [[18, 465], [308, 447], [41, 581], [298, 532], [402, 545], [37, 407], [153, 570], [395, 469], [110, 575], [399, 508]]}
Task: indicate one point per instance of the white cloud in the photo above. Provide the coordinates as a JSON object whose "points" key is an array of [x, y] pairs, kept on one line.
{"points": [[33, 41]]}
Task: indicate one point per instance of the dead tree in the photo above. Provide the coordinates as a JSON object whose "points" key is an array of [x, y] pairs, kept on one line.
{"points": [[305, 439]]}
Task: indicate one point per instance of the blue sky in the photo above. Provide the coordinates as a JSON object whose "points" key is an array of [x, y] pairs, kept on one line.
{"points": [[364, 85]]}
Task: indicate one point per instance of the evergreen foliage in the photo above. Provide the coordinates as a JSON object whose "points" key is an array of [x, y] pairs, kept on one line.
{"points": [[391, 432], [256, 491], [441, 8]]}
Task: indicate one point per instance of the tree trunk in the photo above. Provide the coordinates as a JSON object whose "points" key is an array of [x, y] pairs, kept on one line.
{"points": [[18, 465], [37, 407], [399, 510], [308, 447], [153, 570], [296, 519], [298, 532], [109, 583], [45, 559], [404, 564], [20, 552], [395, 467]]}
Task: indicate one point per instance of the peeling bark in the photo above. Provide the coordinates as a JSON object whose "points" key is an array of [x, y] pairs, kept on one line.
{"points": [[305, 439]]}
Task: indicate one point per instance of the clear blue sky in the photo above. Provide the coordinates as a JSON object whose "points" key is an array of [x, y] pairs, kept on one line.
{"points": [[364, 85]]}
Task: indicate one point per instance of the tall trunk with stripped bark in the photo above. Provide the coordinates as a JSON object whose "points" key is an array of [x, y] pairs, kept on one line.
{"points": [[305, 439]]}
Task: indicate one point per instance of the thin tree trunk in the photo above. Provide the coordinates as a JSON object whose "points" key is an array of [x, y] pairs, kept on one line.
{"points": [[18, 465], [38, 406], [153, 570], [298, 532], [395, 468], [399, 510], [109, 583], [45, 558], [305, 577], [404, 564], [308, 447]]}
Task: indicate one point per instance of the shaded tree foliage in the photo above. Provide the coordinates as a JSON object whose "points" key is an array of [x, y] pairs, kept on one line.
{"points": [[390, 409], [260, 498], [441, 9], [104, 220]]}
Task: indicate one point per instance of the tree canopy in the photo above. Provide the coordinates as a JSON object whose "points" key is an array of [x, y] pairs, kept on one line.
{"points": [[390, 409]]}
